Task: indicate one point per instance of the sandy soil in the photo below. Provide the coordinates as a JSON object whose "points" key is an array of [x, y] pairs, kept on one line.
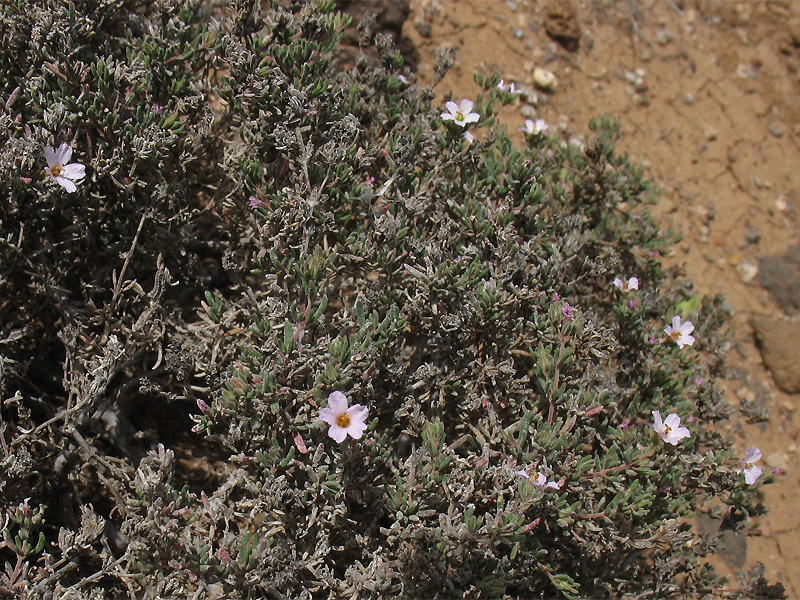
{"points": [[707, 93]]}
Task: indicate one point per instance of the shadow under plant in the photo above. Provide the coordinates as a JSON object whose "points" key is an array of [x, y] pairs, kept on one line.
{"points": [[391, 338]]}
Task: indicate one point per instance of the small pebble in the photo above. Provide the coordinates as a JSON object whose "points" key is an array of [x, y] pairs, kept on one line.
{"points": [[776, 131], [424, 28], [528, 111], [777, 459], [752, 235], [747, 271], [689, 99], [544, 79], [663, 37], [528, 94]]}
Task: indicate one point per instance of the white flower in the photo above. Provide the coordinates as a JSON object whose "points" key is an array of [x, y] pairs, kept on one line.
{"points": [[626, 286], [460, 114], [508, 87], [534, 127], [469, 137], [344, 421], [750, 470], [539, 480], [670, 429], [679, 332], [59, 171]]}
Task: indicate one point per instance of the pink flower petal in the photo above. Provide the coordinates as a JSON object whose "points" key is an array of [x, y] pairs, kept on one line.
{"points": [[338, 402], [66, 184], [659, 425], [50, 156], [328, 415], [752, 455], [74, 171], [64, 153], [672, 421], [752, 474], [358, 412], [337, 433], [356, 429]]}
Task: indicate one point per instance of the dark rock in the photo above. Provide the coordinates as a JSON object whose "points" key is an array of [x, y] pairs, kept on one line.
{"points": [[390, 15], [780, 275], [561, 23], [752, 235], [779, 342], [423, 28]]}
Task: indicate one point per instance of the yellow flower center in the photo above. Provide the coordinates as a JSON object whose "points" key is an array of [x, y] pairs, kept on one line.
{"points": [[343, 420], [667, 429], [56, 170], [459, 115]]}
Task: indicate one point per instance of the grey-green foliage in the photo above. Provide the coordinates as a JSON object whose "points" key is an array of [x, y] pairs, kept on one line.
{"points": [[462, 292]]}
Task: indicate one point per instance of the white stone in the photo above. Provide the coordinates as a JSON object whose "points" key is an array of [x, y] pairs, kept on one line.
{"points": [[544, 79]]}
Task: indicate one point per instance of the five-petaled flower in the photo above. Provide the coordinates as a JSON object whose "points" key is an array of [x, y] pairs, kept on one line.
{"points": [[679, 332], [750, 470], [344, 421], [539, 480], [60, 169], [626, 286], [460, 114], [670, 429], [537, 127]]}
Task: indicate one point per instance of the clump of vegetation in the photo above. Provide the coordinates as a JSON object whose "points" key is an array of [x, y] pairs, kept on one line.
{"points": [[260, 242]]}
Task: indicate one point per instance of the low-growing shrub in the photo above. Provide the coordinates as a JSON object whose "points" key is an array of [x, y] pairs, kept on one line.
{"points": [[262, 240]]}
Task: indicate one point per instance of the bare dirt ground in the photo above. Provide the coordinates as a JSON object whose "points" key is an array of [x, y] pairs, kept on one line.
{"points": [[707, 94]]}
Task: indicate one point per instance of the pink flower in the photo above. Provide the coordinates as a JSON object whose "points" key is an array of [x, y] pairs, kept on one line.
{"points": [[679, 332], [539, 480], [461, 114], [626, 286], [670, 429], [751, 471], [344, 421], [255, 202], [537, 127], [59, 171], [568, 312], [508, 87]]}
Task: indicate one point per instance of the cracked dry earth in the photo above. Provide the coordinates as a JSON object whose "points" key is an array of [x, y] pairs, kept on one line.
{"points": [[707, 94]]}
